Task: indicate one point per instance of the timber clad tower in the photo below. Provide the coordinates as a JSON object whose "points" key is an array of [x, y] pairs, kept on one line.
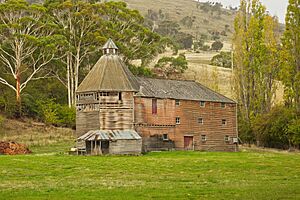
{"points": [[113, 104]]}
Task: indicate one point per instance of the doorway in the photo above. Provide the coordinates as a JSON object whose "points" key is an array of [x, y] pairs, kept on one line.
{"points": [[188, 142], [105, 147]]}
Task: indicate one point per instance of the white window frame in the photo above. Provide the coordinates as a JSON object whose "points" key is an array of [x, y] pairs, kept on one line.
{"points": [[177, 120], [203, 138]]}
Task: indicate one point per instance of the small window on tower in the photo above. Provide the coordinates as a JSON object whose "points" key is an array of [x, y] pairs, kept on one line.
{"points": [[120, 96], [203, 138], [227, 138], [154, 106]]}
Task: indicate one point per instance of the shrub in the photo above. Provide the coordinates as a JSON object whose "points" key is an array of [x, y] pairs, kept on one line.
{"points": [[217, 45], [277, 129]]}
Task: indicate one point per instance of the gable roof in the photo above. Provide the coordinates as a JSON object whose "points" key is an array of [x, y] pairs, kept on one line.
{"points": [[109, 74], [178, 89]]}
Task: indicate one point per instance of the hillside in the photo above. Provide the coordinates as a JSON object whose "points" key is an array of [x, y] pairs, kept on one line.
{"points": [[205, 21], [40, 138]]}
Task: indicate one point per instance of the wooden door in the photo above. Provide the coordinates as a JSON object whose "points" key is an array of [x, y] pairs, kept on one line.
{"points": [[188, 142]]}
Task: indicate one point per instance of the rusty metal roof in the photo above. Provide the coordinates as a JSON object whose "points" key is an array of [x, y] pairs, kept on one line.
{"points": [[178, 89], [110, 135], [109, 74]]}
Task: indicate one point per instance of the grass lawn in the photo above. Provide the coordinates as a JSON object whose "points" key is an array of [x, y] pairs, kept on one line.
{"points": [[163, 175]]}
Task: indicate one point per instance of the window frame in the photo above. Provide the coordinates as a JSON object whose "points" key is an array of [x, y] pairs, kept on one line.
{"points": [[154, 106], [202, 104], [203, 138], [165, 138], [177, 102], [223, 105], [200, 120], [224, 120], [177, 120], [227, 138]]}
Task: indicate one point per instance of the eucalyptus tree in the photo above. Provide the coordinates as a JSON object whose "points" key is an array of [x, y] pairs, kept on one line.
{"points": [[87, 26], [27, 44]]}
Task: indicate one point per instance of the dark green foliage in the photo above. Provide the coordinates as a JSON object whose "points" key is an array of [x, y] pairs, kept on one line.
{"points": [[141, 71], [217, 45], [168, 67], [278, 129], [223, 59], [56, 114]]}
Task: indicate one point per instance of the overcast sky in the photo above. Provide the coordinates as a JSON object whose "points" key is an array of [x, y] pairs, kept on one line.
{"points": [[275, 7]]}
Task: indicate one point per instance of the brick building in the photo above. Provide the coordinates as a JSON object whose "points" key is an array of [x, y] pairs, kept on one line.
{"points": [[167, 114]]}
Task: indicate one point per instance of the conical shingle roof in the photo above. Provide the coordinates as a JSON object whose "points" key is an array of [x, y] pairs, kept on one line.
{"points": [[109, 74]]}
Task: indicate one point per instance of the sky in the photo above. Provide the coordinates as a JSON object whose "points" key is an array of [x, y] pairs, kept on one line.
{"points": [[275, 7]]}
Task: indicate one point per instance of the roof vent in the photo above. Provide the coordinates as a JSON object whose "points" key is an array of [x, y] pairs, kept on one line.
{"points": [[110, 48]]}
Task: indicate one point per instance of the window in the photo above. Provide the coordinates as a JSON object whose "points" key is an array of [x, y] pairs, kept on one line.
{"points": [[200, 120], [165, 137], [226, 138], [177, 102], [223, 105], [224, 122], [203, 138], [202, 103], [120, 96], [154, 106], [177, 120]]}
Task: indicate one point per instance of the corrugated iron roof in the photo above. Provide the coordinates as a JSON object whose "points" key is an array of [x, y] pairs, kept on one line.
{"points": [[110, 135], [109, 74], [178, 89]]}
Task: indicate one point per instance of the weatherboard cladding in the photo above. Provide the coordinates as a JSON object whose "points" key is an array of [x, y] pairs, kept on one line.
{"points": [[178, 89], [110, 135], [109, 74]]}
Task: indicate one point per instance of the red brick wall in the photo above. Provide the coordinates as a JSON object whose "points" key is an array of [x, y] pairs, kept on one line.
{"points": [[189, 112]]}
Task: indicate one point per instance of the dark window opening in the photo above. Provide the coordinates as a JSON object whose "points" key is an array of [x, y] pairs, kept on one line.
{"points": [[226, 138], [165, 137], [177, 102], [154, 106], [223, 105], [200, 120], [120, 96], [177, 120], [224, 122], [202, 103]]}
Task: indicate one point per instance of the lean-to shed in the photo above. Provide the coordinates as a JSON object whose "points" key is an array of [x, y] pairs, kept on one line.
{"points": [[99, 142]]}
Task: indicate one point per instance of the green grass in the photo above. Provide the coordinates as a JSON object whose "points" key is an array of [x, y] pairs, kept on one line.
{"points": [[165, 175]]}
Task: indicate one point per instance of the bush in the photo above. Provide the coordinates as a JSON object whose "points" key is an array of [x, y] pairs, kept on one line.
{"points": [[55, 114], [278, 129], [223, 59], [217, 45]]}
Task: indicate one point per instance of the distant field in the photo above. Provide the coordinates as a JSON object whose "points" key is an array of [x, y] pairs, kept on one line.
{"points": [[165, 175]]}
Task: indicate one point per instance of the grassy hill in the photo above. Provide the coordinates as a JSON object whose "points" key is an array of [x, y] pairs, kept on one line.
{"points": [[176, 10], [39, 137]]}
